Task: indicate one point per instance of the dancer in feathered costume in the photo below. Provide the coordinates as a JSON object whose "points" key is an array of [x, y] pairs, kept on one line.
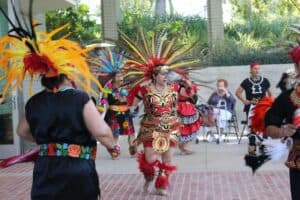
{"points": [[118, 114], [282, 122], [63, 121], [32, 53], [150, 60], [187, 112]]}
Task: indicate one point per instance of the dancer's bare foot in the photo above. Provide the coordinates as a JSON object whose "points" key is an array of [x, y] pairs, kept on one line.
{"points": [[185, 151], [162, 192], [188, 152]]}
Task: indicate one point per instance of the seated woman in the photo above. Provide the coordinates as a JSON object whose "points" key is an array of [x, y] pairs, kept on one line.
{"points": [[223, 102]]}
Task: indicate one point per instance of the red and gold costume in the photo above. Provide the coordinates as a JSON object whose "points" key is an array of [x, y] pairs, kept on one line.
{"points": [[160, 125]]}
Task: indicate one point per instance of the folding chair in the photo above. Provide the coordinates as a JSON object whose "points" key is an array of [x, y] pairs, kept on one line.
{"points": [[245, 127], [232, 124]]}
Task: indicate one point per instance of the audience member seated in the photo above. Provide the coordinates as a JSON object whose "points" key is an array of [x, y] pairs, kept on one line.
{"points": [[223, 102]]}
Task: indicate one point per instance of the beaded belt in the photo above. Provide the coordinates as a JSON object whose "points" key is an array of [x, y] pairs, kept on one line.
{"points": [[70, 150], [119, 108]]}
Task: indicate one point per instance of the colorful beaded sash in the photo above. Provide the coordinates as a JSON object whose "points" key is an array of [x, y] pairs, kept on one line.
{"points": [[70, 150]]}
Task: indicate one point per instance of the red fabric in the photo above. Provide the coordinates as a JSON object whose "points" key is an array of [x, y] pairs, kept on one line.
{"points": [[162, 180], [186, 108], [295, 54], [132, 93], [259, 112], [144, 166], [30, 156], [176, 86], [191, 128]]}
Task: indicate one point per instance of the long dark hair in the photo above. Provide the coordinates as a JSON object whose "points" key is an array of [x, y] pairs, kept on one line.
{"points": [[53, 82]]}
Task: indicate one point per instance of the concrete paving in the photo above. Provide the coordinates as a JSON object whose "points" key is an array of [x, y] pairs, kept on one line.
{"points": [[226, 156], [214, 172]]}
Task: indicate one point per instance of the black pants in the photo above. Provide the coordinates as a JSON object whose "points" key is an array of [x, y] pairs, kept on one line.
{"points": [[295, 184]]}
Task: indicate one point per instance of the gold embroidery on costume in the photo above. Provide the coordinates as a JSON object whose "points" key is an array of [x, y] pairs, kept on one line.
{"points": [[160, 124], [295, 96]]}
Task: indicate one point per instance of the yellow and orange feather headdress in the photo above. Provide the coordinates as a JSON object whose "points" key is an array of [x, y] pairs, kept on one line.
{"points": [[28, 52]]}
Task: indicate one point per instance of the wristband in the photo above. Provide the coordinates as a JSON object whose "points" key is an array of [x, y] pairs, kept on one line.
{"points": [[115, 151]]}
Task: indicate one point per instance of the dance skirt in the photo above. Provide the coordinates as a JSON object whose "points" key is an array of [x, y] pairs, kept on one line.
{"points": [[191, 121], [120, 122]]}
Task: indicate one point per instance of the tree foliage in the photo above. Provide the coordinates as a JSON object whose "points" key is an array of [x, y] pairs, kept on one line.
{"points": [[83, 29], [266, 9]]}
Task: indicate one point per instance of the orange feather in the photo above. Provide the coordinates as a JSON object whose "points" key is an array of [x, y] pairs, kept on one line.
{"points": [[259, 112]]}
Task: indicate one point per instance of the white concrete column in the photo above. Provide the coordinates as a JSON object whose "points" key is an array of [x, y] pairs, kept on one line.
{"points": [[111, 15], [215, 21]]}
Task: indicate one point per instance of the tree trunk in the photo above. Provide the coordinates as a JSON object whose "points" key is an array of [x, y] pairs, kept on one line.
{"points": [[171, 7], [160, 8]]}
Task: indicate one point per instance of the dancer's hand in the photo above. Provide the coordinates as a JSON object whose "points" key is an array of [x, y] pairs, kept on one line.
{"points": [[115, 151], [254, 101]]}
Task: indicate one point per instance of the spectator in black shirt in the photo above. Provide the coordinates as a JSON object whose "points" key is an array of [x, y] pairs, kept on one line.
{"points": [[255, 87]]}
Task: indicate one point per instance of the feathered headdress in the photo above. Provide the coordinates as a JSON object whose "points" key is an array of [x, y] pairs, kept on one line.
{"points": [[259, 112], [150, 54], [107, 64], [28, 52]]}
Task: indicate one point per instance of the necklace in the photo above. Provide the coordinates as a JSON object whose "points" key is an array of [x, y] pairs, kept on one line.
{"points": [[160, 91], [256, 81], [65, 89]]}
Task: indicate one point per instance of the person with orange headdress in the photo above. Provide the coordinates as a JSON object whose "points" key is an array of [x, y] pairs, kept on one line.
{"points": [[63, 121], [150, 63]]}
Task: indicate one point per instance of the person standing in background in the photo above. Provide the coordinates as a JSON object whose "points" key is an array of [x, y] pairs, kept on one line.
{"points": [[255, 87]]}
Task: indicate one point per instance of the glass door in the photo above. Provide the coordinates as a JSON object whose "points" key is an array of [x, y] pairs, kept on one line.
{"points": [[9, 142]]}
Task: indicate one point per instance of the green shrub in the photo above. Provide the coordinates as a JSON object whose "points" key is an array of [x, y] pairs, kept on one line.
{"points": [[256, 39]]}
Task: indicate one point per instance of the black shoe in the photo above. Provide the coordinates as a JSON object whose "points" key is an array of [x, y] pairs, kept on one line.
{"points": [[197, 141]]}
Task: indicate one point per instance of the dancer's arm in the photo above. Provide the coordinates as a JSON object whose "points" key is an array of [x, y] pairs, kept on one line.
{"points": [[280, 132], [23, 130], [97, 126]]}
